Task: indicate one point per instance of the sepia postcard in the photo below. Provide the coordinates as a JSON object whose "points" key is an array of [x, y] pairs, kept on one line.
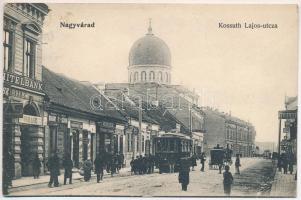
{"points": [[149, 100]]}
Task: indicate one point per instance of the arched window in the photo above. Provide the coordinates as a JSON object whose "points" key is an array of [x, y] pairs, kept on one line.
{"points": [[143, 76], [160, 76], [152, 76], [136, 77], [166, 74], [30, 109]]}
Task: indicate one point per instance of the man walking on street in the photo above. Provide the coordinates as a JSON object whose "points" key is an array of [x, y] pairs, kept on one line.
{"points": [[36, 166], [68, 165], [99, 164], [237, 164], [203, 159], [185, 164], [228, 180], [54, 168]]}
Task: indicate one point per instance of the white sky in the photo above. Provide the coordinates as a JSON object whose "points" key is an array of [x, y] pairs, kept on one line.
{"points": [[242, 70]]}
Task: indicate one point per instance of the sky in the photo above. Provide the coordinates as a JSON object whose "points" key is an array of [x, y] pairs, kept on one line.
{"points": [[246, 72]]}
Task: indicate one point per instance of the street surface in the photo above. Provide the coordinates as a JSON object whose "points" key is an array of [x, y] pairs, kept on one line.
{"points": [[255, 179]]}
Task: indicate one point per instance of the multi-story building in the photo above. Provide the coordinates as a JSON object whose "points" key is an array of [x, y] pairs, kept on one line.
{"points": [[227, 130], [23, 90]]}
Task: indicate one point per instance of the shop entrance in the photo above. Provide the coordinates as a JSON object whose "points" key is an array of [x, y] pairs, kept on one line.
{"points": [[29, 141], [75, 148]]}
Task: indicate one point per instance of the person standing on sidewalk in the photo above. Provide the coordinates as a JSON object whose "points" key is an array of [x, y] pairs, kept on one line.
{"points": [[36, 166], [185, 164], [237, 164], [228, 180], [68, 165], [193, 161], [99, 164], [284, 163], [53, 165], [203, 159]]}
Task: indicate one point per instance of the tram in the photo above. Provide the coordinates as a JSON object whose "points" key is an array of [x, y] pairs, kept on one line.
{"points": [[169, 148]]}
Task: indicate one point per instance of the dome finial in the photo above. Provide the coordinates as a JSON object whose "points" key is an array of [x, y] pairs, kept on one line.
{"points": [[150, 30]]}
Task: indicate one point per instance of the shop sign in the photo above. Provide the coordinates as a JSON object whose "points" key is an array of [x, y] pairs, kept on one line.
{"points": [[22, 81], [107, 124], [20, 94], [33, 120], [63, 119], [52, 118], [287, 114], [105, 130], [78, 125], [107, 141]]}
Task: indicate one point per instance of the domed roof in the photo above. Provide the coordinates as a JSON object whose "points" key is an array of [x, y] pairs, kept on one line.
{"points": [[149, 50]]}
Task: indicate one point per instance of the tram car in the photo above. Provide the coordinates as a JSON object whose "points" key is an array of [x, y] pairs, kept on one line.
{"points": [[220, 156], [169, 148]]}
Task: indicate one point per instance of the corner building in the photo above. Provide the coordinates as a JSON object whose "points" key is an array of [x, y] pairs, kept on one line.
{"points": [[23, 93]]}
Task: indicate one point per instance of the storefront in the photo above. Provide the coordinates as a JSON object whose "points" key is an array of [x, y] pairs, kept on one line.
{"points": [[23, 125], [105, 137]]}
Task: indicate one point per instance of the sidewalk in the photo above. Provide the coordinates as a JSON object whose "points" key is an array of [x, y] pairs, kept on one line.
{"points": [[28, 181], [284, 185]]}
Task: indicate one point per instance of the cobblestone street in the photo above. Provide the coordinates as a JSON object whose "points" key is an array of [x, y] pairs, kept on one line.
{"points": [[255, 180]]}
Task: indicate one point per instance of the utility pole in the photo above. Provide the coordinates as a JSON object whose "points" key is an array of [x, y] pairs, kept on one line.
{"points": [[279, 137]]}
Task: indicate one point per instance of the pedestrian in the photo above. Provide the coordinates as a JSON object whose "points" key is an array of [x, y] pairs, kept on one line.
{"points": [[185, 164], [139, 165], [237, 164], [53, 165], [68, 165], [120, 161], [228, 180], [284, 163], [171, 163], [113, 165], [193, 161], [280, 163], [132, 166], [99, 164], [203, 159], [87, 167], [36, 166], [152, 163], [8, 171]]}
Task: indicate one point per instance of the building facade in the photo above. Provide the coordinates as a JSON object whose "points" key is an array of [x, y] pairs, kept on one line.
{"points": [[287, 139], [227, 130], [23, 89]]}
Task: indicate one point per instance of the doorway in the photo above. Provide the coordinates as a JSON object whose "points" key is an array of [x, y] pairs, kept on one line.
{"points": [[75, 148]]}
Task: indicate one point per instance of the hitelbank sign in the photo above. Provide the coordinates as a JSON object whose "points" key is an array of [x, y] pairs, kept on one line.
{"points": [[15, 80]]}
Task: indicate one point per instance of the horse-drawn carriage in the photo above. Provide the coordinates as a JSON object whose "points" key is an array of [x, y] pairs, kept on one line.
{"points": [[220, 157]]}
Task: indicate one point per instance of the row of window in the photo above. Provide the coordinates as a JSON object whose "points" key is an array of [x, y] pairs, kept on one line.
{"points": [[151, 77], [231, 134], [29, 54]]}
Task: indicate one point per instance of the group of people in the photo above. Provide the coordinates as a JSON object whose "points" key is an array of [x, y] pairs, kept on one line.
{"points": [[142, 164], [111, 163], [286, 162]]}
